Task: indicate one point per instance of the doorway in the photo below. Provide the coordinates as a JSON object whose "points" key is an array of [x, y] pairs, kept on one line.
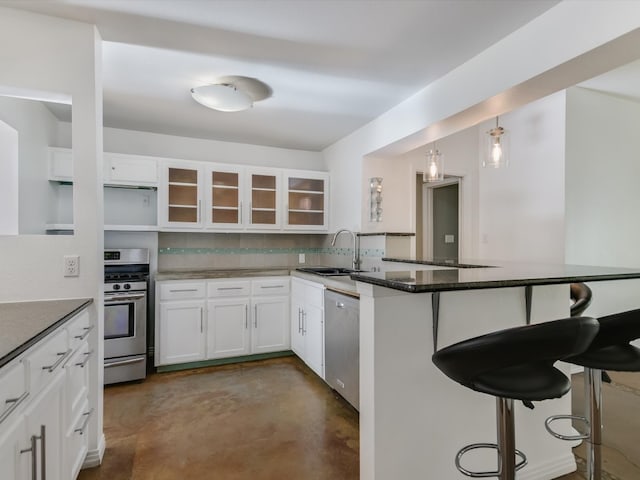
{"points": [[438, 225]]}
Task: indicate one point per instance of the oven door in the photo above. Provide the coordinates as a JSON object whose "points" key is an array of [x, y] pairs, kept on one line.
{"points": [[125, 324]]}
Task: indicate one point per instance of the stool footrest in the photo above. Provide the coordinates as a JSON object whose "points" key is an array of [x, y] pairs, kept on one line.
{"points": [[496, 473], [553, 418]]}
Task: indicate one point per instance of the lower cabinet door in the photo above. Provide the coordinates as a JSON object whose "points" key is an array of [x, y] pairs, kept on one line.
{"points": [[43, 420], [271, 330], [228, 329], [13, 464], [76, 442], [181, 335], [313, 330]]}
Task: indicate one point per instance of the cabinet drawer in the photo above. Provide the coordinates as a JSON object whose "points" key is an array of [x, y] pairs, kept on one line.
{"points": [[270, 286], [13, 389], [229, 288], [77, 380], [181, 290], [79, 329], [77, 442], [47, 359]]}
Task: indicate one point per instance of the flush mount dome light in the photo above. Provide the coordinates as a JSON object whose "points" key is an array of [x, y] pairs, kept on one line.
{"points": [[223, 97]]}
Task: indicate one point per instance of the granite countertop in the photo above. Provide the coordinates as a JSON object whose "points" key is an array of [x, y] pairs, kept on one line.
{"points": [[468, 275], [339, 283], [221, 273], [22, 324]]}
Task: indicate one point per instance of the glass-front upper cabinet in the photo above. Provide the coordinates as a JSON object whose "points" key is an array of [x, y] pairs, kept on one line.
{"points": [[264, 198], [224, 197], [180, 195], [307, 200]]}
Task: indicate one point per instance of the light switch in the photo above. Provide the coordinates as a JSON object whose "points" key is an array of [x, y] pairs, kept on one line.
{"points": [[449, 239]]}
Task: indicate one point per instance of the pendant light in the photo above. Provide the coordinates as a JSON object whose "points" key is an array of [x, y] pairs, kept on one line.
{"points": [[497, 146], [434, 166]]}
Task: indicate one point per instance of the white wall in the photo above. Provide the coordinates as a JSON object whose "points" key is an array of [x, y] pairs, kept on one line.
{"points": [[547, 55], [602, 172], [37, 129], [154, 144], [53, 55], [9, 180], [521, 214]]}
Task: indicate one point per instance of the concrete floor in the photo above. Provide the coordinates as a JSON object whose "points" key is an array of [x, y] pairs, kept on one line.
{"points": [[275, 419], [621, 427], [271, 419]]}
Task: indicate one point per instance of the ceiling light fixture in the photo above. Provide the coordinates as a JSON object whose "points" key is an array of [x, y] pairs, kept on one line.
{"points": [[224, 97], [434, 166], [496, 152]]}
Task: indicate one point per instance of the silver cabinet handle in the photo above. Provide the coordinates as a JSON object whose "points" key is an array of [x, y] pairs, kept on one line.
{"points": [[246, 317], [62, 358], [255, 316], [87, 330], [83, 427], [339, 305], [43, 452], [240, 210], [199, 211], [83, 363], [201, 320], [14, 403], [271, 286], [299, 320], [34, 461], [177, 290], [304, 322], [228, 288], [251, 213]]}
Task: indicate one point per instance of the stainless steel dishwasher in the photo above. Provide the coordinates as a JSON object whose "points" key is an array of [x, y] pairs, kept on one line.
{"points": [[342, 345]]}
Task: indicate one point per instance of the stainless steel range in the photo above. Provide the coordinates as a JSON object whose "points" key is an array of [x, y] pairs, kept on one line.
{"points": [[126, 279]]}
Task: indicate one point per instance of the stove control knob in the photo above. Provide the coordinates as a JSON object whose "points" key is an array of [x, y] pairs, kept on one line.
{"points": [[127, 286], [116, 287]]}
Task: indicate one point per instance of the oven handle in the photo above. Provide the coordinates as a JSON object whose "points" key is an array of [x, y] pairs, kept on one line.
{"points": [[121, 298], [123, 362]]}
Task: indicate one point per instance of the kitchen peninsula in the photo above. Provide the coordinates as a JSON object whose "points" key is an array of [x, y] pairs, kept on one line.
{"points": [[413, 419]]}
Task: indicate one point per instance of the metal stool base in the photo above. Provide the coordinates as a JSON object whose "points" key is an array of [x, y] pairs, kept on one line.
{"points": [[495, 473]]}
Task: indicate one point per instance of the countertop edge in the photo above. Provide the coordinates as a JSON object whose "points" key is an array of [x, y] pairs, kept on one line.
{"points": [[43, 333]]}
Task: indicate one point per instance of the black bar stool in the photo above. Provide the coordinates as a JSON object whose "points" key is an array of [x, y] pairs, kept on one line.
{"points": [[610, 350], [514, 364], [580, 296]]}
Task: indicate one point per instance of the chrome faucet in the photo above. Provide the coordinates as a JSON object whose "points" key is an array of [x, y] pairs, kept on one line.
{"points": [[356, 247]]}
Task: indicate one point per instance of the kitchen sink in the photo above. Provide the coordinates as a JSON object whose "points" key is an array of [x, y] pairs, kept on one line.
{"points": [[328, 271]]}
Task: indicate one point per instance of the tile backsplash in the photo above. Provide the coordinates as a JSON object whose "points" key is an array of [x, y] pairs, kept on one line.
{"points": [[189, 251]]}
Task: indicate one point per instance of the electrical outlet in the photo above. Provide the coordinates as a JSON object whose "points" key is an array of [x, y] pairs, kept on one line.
{"points": [[71, 265], [301, 258]]}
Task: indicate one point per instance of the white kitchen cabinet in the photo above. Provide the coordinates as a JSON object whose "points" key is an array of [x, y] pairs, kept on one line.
{"points": [[180, 195], [43, 420], [13, 464], [307, 323], [228, 329], [38, 392], [306, 200], [271, 330], [130, 170], [181, 332], [263, 196], [224, 199], [243, 316]]}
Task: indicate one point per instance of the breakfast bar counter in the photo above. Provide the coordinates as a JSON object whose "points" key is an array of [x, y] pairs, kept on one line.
{"points": [[413, 419]]}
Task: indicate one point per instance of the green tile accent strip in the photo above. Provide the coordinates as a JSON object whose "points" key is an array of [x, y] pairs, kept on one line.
{"points": [[222, 361], [365, 252]]}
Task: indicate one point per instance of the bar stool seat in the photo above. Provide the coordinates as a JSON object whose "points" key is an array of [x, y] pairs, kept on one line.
{"points": [[515, 364], [610, 350]]}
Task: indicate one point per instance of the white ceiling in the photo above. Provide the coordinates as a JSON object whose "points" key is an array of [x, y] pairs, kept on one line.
{"points": [[333, 65]]}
